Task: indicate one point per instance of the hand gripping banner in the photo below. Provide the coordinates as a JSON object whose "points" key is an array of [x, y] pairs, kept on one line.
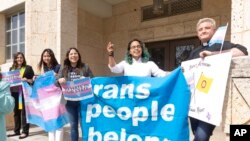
{"points": [[44, 104], [137, 109]]}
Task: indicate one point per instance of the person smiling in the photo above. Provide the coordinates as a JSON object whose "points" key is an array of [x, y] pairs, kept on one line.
{"points": [[47, 63], [73, 69], [136, 61], [205, 29], [27, 73]]}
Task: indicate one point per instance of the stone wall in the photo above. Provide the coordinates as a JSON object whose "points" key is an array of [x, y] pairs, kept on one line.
{"points": [[2, 36], [240, 22], [51, 24], [125, 24], [58, 25], [237, 99], [90, 41], [67, 26]]}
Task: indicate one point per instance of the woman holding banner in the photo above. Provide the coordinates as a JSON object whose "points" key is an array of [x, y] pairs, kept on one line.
{"points": [[73, 69], [27, 73], [47, 63], [136, 61]]}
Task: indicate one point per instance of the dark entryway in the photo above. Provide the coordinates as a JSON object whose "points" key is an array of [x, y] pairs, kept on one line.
{"points": [[169, 54]]}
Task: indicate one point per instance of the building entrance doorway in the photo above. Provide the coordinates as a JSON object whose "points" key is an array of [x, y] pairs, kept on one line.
{"points": [[169, 54]]}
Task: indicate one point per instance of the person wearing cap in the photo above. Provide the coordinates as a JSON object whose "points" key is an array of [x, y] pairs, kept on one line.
{"points": [[136, 61]]}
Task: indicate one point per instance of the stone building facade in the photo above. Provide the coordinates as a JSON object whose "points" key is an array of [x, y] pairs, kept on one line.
{"points": [[61, 24]]}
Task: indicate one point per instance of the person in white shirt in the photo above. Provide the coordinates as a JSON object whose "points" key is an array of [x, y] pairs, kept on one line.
{"points": [[136, 61]]}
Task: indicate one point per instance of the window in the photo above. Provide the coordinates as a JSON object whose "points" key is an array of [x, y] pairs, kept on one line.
{"points": [[172, 8], [15, 34]]}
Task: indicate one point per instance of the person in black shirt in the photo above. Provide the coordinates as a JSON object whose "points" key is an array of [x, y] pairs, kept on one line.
{"points": [[27, 73], [73, 68], [206, 28]]}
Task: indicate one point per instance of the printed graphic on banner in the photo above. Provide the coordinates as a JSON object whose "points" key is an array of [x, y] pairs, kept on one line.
{"points": [[204, 83], [44, 105], [13, 77], [137, 108], [77, 90], [207, 81]]}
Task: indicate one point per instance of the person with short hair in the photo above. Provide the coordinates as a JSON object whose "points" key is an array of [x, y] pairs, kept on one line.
{"points": [[206, 28]]}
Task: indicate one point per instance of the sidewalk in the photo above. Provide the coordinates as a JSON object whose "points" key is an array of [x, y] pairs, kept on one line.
{"points": [[37, 134]]}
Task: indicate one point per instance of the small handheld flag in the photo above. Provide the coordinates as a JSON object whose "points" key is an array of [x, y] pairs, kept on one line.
{"points": [[219, 36], [204, 83]]}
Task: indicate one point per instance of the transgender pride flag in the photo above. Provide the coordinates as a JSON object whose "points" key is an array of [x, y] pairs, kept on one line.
{"points": [[218, 36], [77, 90], [43, 103]]}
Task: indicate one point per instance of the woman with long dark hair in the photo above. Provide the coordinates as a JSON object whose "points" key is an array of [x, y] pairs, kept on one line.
{"points": [[47, 63], [73, 68], [27, 73]]}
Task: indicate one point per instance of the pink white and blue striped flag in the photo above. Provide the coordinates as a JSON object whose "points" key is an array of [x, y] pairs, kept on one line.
{"points": [[218, 36], [78, 90], [13, 77], [46, 108]]}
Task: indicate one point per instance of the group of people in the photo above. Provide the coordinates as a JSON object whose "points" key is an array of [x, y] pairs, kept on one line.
{"points": [[73, 68], [136, 63]]}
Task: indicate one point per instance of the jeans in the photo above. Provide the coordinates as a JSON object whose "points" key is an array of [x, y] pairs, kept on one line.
{"points": [[201, 130], [73, 109]]}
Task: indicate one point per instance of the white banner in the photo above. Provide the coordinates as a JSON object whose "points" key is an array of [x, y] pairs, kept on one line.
{"points": [[207, 80]]}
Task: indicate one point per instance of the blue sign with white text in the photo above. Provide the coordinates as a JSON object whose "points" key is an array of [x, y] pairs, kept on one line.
{"points": [[137, 109]]}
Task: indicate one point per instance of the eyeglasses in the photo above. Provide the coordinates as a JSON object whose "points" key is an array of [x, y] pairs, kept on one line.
{"points": [[134, 47]]}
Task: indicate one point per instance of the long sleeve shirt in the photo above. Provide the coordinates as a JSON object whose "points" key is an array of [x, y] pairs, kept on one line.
{"points": [[138, 68]]}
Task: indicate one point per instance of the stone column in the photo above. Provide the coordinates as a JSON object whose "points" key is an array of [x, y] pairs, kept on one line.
{"points": [[237, 98], [50, 24], [41, 22], [2, 36], [240, 22], [68, 26]]}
